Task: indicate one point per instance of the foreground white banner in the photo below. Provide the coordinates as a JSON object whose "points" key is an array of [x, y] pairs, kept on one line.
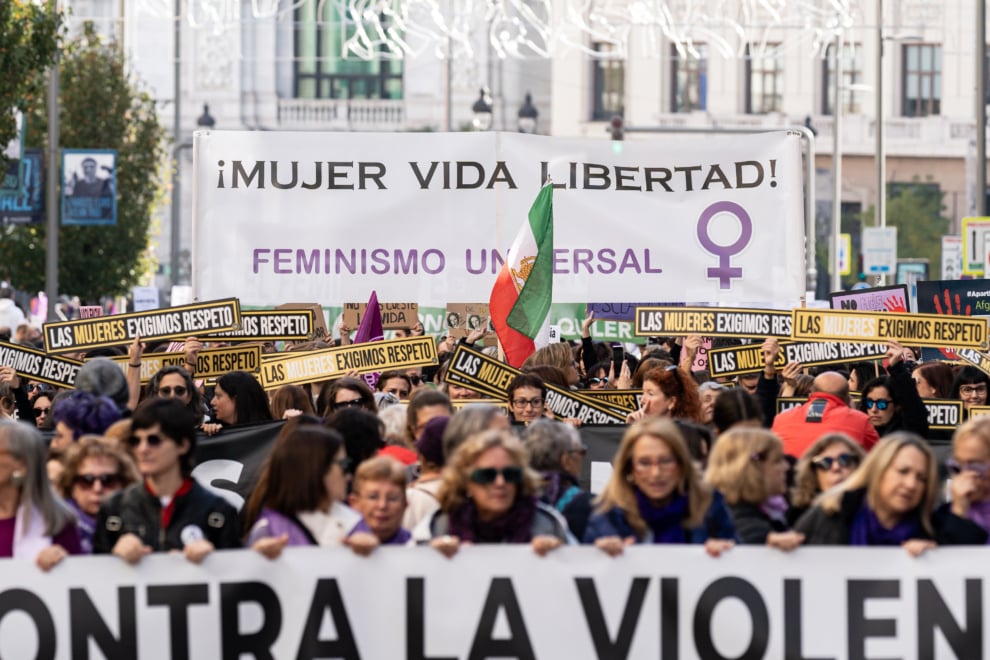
{"points": [[654, 602], [428, 218]]}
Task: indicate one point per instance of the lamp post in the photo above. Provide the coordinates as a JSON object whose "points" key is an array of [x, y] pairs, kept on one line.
{"points": [[881, 156], [528, 115], [837, 165], [482, 110], [206, 121]]}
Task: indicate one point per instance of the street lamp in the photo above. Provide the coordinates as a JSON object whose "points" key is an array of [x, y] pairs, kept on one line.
{"points": [[527, 115], [482, 110]]}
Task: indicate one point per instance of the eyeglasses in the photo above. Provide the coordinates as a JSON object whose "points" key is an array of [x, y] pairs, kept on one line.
{"points": [[957, 468], [351, 402], [38, 387], [390, 499], [647, 464], [485, 476], [152, 440], [41, 412], [596, 381], [527, 403], [970, 390], [87, 481], [879, 404], [398, 392], [825, 463], [415, 380], [580, 451], [344, 463], [178, 390]]}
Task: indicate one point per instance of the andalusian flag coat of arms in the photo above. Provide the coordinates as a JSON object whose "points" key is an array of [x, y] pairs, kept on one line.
{"points": [[520, 300]]}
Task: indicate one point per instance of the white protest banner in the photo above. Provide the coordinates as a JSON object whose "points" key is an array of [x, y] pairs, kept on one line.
{"points": [[145, 298], [501, 601], [429, 217]]}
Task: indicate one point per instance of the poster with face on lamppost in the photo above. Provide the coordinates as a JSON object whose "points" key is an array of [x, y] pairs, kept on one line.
{"points": [[89, 187]]}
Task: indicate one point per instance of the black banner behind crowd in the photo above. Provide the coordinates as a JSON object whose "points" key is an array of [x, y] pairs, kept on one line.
{"points": [[229, 463]]}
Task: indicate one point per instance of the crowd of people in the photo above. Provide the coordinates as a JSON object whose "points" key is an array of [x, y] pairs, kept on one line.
{"points": [[106, 467]]}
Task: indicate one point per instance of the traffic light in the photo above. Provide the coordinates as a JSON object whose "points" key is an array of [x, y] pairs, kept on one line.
{"points": [[615, 126]]}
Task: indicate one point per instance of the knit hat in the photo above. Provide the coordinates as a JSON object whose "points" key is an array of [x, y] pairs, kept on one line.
{"points": [[103, 377], [430, 443]]}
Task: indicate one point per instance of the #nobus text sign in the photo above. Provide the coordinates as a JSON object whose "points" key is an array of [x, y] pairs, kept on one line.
{"points": [[171, 323]]}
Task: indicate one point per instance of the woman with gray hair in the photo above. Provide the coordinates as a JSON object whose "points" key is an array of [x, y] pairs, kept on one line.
{"points": [[34, 523], [556, 452], [471, 419]]}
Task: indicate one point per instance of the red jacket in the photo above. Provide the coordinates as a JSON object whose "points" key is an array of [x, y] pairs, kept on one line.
{"points": [[798, 433]]}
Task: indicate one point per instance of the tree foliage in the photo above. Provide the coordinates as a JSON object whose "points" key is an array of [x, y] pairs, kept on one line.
{"points": [[101, 107], [29, 40], [916, 210]]}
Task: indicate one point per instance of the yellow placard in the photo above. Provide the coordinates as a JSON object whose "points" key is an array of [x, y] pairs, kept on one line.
{"points": [[712, 322], [625, 400], [210, 363], [458, 404], [912, 329], [154, 325], [738, 360], [33, 364], [271, 325]]}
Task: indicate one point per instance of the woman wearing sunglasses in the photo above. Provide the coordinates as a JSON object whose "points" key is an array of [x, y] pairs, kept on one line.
{"points": [[175, 381], [969, 471], [300, 494], [344, 393], [95, 468], [889, 501], [169, 510], [892, 402], [655, 495], [489, 495], [826, 463]]}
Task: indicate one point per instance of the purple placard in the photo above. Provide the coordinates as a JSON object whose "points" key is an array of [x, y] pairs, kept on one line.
{"points": [[879, 299], [616, 311]]}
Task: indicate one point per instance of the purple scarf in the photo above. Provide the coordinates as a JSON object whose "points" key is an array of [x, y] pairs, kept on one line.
{"points": [[516, 526], [400, 537], [867, 530], [667, 521], [86, 525], [979, 512], [775, 508]]}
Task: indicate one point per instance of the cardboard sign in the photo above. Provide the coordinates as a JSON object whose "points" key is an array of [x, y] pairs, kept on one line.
{"points": [[90, 311], [297, 368], [210, 363], [463, 318], [879, 299], [459, 404], [624, 400], [945, 414], [169, 323], [394, 315], [738, 360], [489, 376], [910, 329], [272, 325], [616, 311], [712, 322], [32, 364]]}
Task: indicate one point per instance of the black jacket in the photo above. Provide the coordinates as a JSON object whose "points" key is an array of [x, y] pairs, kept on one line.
{"points": [[752, 524], [913, 415], [135, 510], [821, 528]]}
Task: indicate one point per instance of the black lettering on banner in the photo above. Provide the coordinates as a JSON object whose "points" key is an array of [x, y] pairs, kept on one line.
{"points": [[935, 614], [22, 600], [861, 628], [416, 622], [712, 322], [86, 624], [716, 592], [177, 598], [257, 644], [32, 364], [501, 596], [605, 646], [670, 619], [327, 596], [792, 622]]}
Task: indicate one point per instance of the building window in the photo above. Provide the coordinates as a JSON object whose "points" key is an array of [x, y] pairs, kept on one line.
{"points": [[608, 77], [320, 69], [689, 78], [922, 80], [765, 75], [852, 74]]}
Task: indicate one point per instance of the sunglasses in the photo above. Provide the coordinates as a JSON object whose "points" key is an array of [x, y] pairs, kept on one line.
{"points": [[596, 381], [87, 481], [178, 390], [41, 412], [38, 387], [345, 463], [152, 440], [415, 380], [879, 404], [956, 468], [485, 476], [825, 463], [345, 404]]}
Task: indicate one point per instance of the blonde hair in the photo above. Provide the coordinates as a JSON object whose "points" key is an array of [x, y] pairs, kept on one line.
{"points": [[805, 479], [457, 471], [978, 427], [736, 464], [381, 468], [555, 355], [871, 471], [620, 493]]}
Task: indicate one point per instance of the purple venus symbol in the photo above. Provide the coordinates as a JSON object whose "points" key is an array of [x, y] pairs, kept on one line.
{"points": [[725, 271]]}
